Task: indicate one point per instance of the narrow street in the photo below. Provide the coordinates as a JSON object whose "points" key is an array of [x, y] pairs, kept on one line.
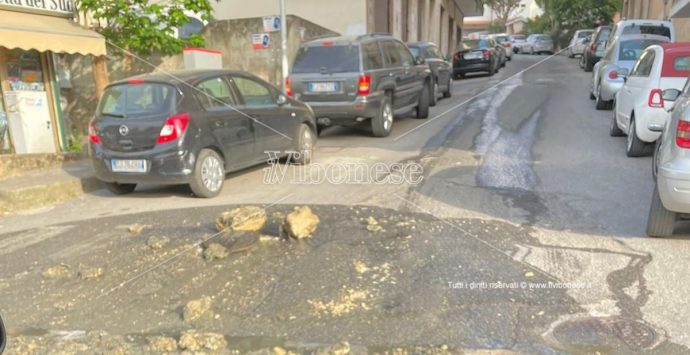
{"points": [[522, 184]]}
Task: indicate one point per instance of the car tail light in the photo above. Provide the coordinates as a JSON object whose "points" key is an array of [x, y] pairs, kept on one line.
{"points": [[174, 128], [364, 87], [93, 134], [486, 54], [683, 134], [135, 81], [327, 44], [594, 47], [288, 86], [656, 98], [613, 74], [506, 44]]}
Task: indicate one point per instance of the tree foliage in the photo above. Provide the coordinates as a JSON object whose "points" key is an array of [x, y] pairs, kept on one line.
{"points": [[502, 8], [144, 27], [565, 16]]}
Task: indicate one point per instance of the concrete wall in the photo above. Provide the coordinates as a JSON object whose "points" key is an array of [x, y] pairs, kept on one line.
{"points": [[342, 16], [231, 37]]}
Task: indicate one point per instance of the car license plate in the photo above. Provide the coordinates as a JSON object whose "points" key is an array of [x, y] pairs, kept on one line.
{"points": [[322, 87], [472, 56], [128, 166]]}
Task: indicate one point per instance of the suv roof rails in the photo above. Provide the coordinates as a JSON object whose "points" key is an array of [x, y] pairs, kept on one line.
{"points": [[375, 34]]}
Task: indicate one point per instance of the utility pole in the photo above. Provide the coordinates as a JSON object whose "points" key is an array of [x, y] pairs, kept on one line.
{"points": [[283, 42]]}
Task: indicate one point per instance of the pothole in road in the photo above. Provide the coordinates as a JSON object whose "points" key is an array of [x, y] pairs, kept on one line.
{"points": [[605, 334]]}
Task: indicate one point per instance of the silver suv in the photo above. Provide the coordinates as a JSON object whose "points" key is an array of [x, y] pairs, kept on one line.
{"points": [[350, 80]]}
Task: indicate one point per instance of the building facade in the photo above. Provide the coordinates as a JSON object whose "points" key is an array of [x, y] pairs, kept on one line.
{"points": [[34, 38], [438, 21], [661, 10], [527, 9]]}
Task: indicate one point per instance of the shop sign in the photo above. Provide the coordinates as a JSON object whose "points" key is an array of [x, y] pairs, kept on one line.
{"points": [[63, 8]]}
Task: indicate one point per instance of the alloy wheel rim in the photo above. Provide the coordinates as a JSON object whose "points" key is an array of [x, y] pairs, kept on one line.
{"points": [[387, 117], [631, 131], [211, 174], [307, 143]]}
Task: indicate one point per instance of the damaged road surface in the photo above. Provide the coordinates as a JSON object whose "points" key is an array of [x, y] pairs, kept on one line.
{"points": [[415, 281]]}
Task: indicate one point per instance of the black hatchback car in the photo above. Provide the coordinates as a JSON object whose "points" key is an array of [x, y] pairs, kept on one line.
{"points": [[475, 56], [193, 127]]}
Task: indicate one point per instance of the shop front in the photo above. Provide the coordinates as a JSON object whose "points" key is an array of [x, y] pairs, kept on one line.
{"points": [[34, 37]]}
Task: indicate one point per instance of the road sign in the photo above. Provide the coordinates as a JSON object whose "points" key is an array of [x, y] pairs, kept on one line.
{"points": [[261, 40], [271, 23]]}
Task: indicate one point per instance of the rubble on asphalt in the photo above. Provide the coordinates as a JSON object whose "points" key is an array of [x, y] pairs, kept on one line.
{"points": [[158, 242], [300, 223], [136, 229], [248, 219], [196, 309], [196, 341], [215, 251], [60, 271], [163, 344], [91, 274]]}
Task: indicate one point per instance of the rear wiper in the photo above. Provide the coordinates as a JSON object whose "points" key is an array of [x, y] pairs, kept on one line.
{"points": [[117, 115]]}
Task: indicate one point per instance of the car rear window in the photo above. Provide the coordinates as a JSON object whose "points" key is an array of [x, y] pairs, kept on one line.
{"points": [[543, 38], [327, 58], [681, 63], [632, 49], [647, 30], [138, 100], [501, 39], [475, 44], [583, 34]]}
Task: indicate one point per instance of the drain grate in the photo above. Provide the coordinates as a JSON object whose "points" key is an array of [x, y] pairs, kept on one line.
{"points": [[595, 332]]}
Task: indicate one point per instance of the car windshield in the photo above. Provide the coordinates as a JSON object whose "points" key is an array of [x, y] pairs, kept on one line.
{"points": [[474, 44], [327, 58], [632, 49], [138, 100]]}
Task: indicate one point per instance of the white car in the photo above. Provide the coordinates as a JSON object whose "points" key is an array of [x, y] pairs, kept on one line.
{"points": [[577, 44], [506, 42], [643, 27], [640, 108]]}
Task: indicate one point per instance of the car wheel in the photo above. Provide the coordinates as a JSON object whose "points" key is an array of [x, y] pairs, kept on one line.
{"points": [[589, 66], [492, 70], [449, 91], [614, 130], [634, 147], [208, 177], [304, 145], [382, 124], [660, 221], [434, 94], [510, 58], [423, 105], [601, 104], [120, 189]]}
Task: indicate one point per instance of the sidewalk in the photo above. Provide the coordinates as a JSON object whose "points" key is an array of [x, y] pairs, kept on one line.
{"points": [[45, 186]]}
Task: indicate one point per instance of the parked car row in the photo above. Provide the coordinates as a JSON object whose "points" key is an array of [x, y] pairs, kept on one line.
{"points": [[642, 74], [195, 126]]}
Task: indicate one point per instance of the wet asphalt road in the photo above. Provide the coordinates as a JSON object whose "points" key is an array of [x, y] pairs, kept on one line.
{"points": [[522, 185]]}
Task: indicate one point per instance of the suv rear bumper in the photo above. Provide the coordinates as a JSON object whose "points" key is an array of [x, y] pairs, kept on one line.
{"points": [[347, 112], [167, 166]]}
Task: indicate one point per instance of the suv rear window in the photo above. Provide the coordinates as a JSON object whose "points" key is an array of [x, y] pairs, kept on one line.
{"points": [[632, 49], [329, 59], [647, 30], [138, 100]]}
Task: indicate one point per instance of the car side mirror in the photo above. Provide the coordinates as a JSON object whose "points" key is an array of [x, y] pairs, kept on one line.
{"points": [[670, 94], [419, 60], [282, 100]]}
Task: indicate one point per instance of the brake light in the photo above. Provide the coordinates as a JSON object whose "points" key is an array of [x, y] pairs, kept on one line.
{"points": [[506, 44], [93, 134], [288, 87], [683, 134], [613, 74], [135, 81], [327, 44], [594, 47], [174, 128], [364, 87], [486, 54], [656, 98]]}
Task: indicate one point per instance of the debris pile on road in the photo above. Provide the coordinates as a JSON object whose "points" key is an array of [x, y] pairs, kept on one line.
{"points": [[161, 344], [373, 225], [249, 218], [136, 229], [91, 274], [342, 348], [215, 251], [158, 242], [195, 341], [300, 223], [60, 271], [196, 309]]}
